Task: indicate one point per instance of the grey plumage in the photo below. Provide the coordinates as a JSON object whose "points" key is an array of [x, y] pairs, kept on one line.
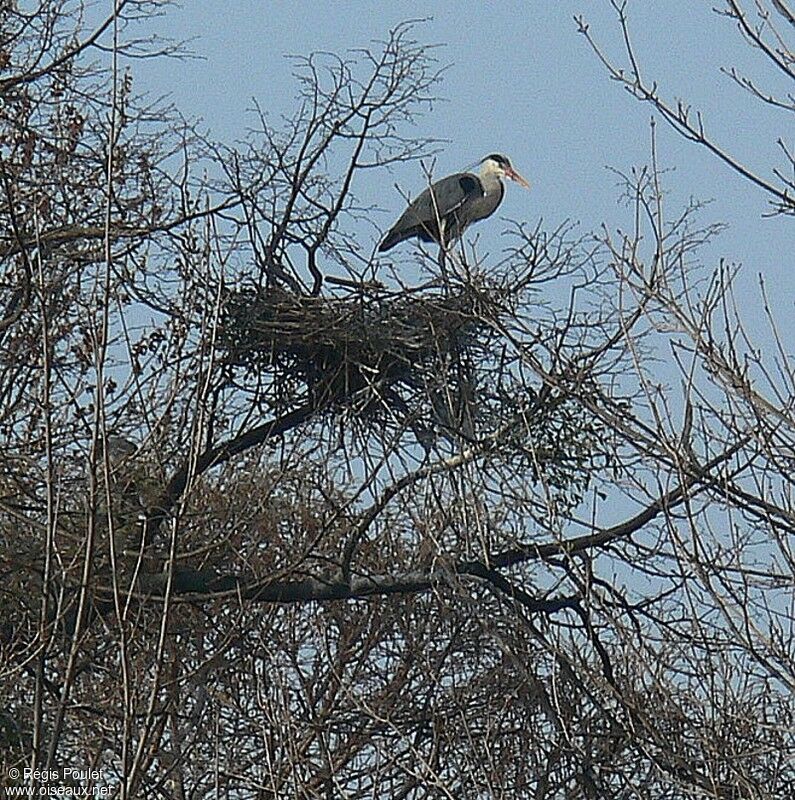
{"points": [[448, 207]]}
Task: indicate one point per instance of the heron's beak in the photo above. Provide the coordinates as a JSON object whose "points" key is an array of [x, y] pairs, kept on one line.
{"points": [[515, 176]]}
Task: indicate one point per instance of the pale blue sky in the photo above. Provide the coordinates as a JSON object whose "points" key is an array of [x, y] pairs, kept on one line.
{"points": [[522, 82]]}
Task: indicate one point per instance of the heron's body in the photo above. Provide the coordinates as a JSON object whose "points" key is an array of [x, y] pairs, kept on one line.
{"points": [[448, 207]]}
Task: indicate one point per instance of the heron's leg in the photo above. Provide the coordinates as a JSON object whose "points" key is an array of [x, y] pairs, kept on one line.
{"points": [[443, 251], [462, 254], [443, 255], [443, 263]]}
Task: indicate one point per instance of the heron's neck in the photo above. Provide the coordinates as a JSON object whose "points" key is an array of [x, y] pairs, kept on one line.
{"points": [[490, 180]]}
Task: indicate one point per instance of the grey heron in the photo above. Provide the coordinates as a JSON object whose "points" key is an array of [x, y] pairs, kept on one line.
{"points": [[445, 209]]}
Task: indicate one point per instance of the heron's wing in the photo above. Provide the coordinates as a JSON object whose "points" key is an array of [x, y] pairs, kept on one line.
{"points": [[450, 193], [470, 185], [438, 201]]}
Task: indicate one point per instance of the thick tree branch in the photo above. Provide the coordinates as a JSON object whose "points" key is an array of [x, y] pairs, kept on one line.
{"points": [[214, 456]]}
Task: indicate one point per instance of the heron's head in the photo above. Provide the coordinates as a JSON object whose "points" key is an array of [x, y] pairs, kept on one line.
{"points": [[500, 165]]}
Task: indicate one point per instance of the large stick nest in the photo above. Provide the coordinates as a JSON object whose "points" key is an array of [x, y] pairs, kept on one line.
{"points": [[342, 346]]}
